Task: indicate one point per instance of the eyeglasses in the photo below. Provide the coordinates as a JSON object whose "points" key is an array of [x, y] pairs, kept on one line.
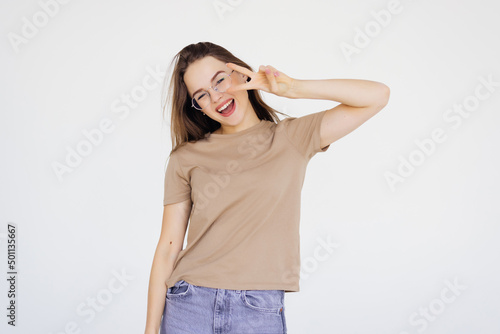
{"points": [[220, 84]]}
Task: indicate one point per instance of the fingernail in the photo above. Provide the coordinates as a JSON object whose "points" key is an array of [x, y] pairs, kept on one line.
{"points": [[268, 71], [276, 74]]}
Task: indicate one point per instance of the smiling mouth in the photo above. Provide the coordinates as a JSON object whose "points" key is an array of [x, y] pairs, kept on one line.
{"points": [[225, 107]]}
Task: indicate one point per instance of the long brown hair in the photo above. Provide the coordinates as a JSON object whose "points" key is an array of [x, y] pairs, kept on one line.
{"points": [[186, 125]]}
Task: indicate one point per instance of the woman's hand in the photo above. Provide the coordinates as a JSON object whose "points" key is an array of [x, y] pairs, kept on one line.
{"points": [[267, 79]]}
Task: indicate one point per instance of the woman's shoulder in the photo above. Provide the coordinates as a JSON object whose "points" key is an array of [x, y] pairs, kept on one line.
{"points": [[188, 146]]}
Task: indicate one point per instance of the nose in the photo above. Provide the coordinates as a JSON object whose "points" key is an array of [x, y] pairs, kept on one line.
{"points": [[215, 95]]}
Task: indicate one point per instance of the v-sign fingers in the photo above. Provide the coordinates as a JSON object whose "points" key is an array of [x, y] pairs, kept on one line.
{"points": [[240, 69], [245, 86]]}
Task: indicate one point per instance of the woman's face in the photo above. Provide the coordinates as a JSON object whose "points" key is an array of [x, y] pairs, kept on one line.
{"points": [[199, 75]]}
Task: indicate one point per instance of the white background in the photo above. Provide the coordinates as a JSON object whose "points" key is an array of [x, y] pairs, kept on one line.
{"points": [[397, 247]]}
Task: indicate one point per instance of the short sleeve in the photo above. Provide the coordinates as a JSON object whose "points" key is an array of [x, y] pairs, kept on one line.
{"points": [[177, 187], [304, 133]]}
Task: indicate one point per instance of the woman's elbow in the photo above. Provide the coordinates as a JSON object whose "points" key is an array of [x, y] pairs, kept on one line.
{"points": [[384, 95]]}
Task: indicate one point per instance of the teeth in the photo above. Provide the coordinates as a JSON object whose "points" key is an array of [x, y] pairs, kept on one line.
{"points": [[225, 106]]}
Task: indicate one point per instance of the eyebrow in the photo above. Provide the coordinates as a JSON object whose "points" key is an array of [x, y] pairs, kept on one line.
{"points": [[210, 81]]}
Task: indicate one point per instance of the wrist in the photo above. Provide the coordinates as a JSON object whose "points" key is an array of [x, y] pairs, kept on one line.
{"points": [[293, 91], [150, 330]]}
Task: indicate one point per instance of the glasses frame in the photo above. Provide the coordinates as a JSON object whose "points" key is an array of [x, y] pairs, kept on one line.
{"points": [[214, 88]]}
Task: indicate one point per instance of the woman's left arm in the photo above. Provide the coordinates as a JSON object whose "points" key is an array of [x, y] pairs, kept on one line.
{"points": [[359, 101]]}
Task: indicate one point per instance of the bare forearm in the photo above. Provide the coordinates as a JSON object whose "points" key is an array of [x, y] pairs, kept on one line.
{"points": [[353, 92], [161, 270]]}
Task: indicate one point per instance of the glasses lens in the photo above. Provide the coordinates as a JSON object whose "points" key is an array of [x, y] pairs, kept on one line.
{"points": [[201, 100], [196, 105], [222, 82]]}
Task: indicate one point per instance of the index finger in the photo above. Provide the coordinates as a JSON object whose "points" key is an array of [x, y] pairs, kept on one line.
{"points": [[240, 69]]}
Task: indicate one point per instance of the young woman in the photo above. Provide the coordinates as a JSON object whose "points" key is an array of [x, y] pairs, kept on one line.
{"points": [[236, 173]]}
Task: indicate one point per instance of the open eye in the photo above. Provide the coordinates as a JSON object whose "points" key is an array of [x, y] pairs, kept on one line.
{"points": [[220, 80]]}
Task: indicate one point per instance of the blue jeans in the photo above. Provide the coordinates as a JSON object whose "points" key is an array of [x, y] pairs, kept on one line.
{"points": [[193, 309]]}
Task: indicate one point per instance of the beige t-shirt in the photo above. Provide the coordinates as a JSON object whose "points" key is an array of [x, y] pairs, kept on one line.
{"points": [[246, 190]]}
